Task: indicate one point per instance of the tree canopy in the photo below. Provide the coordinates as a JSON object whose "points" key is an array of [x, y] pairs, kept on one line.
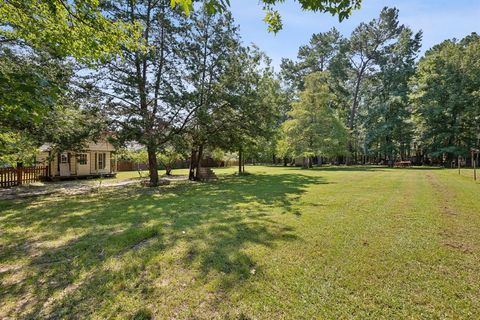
{"points": [[39, 103], [313, 129], [369, 75], [445, 95]]}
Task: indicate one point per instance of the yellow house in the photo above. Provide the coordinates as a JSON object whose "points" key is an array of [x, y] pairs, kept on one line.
{"points": [[96, 160]]}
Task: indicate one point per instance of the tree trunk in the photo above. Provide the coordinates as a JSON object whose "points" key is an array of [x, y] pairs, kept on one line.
{"points": [[191, 172], [199, 162], [240, 161], [451, 159], [353, 109], [152, 166], [305, 162]]}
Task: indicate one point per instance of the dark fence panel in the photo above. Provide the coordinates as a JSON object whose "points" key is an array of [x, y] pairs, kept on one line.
{"points": [[10, 177], [125, 165]]}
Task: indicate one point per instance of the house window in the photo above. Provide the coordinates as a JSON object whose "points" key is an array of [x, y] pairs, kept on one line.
{"points": [[101, 161], [63, 158], [82, 158]]}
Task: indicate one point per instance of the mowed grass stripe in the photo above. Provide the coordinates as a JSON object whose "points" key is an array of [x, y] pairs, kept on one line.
{"points": [[374, 257], [338, 238]]}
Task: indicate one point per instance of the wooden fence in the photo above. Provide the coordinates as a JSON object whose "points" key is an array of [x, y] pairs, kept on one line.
{"points": [[10, 177]]}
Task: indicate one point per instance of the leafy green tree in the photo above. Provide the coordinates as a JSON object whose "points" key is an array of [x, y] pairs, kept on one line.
{"points": [[275, 101], [217, 154], [145, 86], [134, 153], [81, 28], [253, 94], [39, 104], [17, 148], [445, 97], [369, 73], [385, 118], [368, 45], [213, 43], [31, 84], [38, 100], [313, 128], [168, 157], [86, 29], [231, 89], [325, 51]]}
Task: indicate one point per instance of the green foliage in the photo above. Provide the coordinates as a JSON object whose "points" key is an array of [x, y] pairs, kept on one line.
{"points": [[31, 84], [368, 75], [313, 128], [80, 28], [325, 52], [144, 87], [168, 157], [214, 45], [221, 155], [38, 104], [136, 155], [255, 101], [234, 89], [445, 93], [15, 147], [66, 127], [385, 117], [273, 20], [218, 154], [369, 45]]}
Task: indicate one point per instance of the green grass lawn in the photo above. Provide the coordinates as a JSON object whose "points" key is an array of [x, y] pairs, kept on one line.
{"points": [[280, 243]]}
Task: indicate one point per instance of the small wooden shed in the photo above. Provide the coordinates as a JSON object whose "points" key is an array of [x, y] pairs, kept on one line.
{"points": [[97, 159]]}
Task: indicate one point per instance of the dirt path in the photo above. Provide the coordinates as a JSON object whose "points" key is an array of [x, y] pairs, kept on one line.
{"points": [[68, 188], [454, 232]]}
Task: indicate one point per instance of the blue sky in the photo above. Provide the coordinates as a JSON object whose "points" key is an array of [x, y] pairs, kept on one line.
{"points": [[439, 20]]}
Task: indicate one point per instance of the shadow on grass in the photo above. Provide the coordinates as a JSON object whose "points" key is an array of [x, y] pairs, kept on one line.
{"points": [[128, 228], [359, 168], [332, 168]]}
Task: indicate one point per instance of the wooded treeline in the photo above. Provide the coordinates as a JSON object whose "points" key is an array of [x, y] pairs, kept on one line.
{"points": [[185, 86], [394, 106]]}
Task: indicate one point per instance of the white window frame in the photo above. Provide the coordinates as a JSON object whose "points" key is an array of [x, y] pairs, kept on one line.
{"points": [[82, 159], [102, 157]]}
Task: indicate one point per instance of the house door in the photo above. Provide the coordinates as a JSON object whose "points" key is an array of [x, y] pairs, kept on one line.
{"points": [[64, 165]]}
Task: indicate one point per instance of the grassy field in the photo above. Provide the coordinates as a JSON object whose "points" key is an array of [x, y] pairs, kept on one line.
{"points": [[279, 243]]}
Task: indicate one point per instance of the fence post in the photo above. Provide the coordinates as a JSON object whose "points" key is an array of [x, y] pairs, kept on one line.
{"points": [[19, 175], [474, 166]]}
